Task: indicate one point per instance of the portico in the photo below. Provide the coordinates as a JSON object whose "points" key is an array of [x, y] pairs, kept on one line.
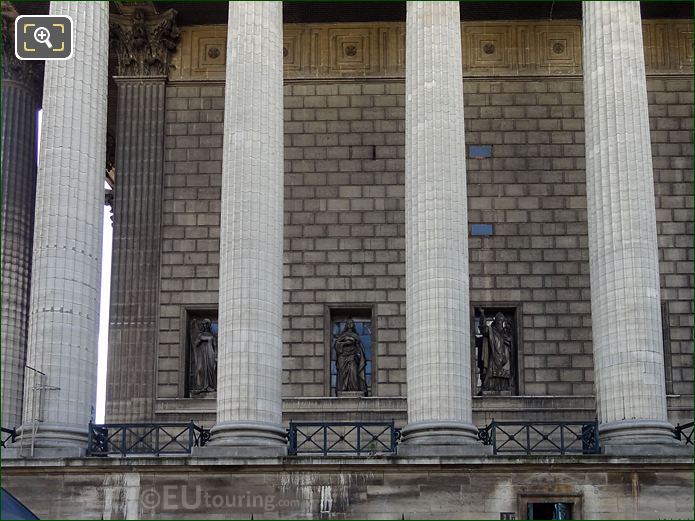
{"points": [[63, 318]]}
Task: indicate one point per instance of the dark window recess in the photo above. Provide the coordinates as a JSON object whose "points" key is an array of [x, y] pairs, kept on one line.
{"points": [[351, 352], [479, 151], [495, 356], [481, 229], [202, 328], [549, 511]]}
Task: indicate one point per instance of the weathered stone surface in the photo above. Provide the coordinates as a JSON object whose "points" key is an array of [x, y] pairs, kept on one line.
{"points": [[623, 253], [64, 313], [249, 406], [333, 488], [21, 98], [438, 338], [137, 246]]}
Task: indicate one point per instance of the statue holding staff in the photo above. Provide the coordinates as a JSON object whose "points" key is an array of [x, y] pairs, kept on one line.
{"points": [[494, 342]]}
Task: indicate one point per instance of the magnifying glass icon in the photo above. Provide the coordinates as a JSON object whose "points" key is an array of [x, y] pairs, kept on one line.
{"points": [[43, 35]]}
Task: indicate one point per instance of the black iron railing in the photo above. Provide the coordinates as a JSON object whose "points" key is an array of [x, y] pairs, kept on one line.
{"points": [[541, 437], [8, 436], [361, 438], [684, 433], [130, 439]]}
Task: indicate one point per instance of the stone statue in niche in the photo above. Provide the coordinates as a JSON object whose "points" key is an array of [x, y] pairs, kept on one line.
{"points": [[204, 356], [494, 341], [350, 361]]}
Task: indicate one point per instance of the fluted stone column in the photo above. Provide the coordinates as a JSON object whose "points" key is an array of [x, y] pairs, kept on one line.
{"points": [[249, 407], [623, 258], [64, 309], [140, 75], [21, 96], [437, 304]]}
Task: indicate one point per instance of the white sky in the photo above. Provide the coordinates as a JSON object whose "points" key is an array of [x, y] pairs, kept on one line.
{"points": [[104, 314], [104, 304]]}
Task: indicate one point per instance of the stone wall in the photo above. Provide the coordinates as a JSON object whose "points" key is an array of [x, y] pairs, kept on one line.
{"points": [[344, 232], [671, 123], [532, 189], [190, 222], [302, 488]]}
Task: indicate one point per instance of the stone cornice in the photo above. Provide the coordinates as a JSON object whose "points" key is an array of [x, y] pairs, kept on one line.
{"points": [[142, 42], [508, 49]]}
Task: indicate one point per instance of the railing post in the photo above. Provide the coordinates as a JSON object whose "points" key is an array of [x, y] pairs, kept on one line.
{"points": [[494, 437], [124, 430], [190, 437], [528, 439], [562, 438], [359, 446], [292, 439], [90, 434], [156, 440], [325, 440]]}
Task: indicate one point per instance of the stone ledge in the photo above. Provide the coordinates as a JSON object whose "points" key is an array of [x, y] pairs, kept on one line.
{"points": [[485, 408], [174, 463]]}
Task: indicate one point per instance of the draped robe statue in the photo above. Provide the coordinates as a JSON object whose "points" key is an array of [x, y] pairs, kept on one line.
{"points": [[495, 353], [205, 357], [350, 360]]}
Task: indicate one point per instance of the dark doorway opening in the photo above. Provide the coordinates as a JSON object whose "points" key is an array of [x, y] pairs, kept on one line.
{"points": [[549, 511]]}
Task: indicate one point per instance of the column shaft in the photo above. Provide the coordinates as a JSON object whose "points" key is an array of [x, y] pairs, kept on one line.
{"points": [[437, 303], [20, 103], [136, 249], [249, 406], [64, 311], [623, 258]]}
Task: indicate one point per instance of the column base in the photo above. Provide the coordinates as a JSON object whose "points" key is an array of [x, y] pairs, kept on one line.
{"points": [[43, 452], [441, 439], [51, 440], [641, 438], [245, 440], [53, 435]]}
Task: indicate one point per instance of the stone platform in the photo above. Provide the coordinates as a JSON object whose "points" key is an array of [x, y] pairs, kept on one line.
{"points": [[598, 487]]}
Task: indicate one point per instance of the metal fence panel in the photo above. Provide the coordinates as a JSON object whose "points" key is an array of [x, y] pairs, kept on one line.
{"points": [[361, 438], [541, 437], [132, 439]]}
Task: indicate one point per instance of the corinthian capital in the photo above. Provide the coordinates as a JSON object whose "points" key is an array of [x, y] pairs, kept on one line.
{"points": [[142, 42], [29, 73]]}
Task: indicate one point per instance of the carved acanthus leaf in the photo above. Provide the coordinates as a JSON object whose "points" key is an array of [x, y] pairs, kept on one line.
{"points": [[29, 73], [142, 43]]}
